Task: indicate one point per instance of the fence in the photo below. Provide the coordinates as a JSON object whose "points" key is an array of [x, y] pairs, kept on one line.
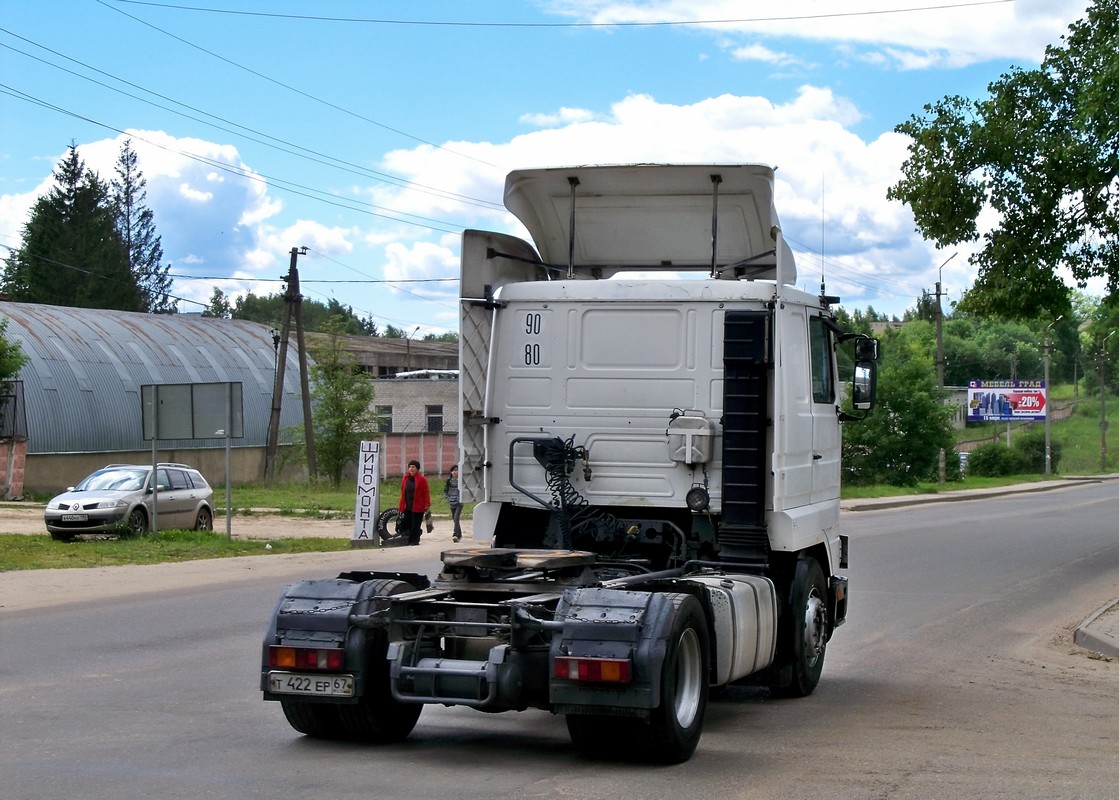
{"points": [[436, 452]]}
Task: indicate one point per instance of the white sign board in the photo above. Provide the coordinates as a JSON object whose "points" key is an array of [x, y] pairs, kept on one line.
{"points": [[368, 500]]}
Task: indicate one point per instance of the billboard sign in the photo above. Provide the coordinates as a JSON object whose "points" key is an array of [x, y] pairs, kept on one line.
{"points": [[989, 401]]}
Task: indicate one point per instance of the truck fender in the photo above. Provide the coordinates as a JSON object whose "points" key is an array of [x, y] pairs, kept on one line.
{"points": [[316, 613], [612, 623]]}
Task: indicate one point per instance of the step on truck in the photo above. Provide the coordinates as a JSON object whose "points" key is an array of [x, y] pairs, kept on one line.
{"points": [[650, 432]]}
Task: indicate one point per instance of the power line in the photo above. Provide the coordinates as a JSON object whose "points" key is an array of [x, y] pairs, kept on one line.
{"points": [[546, 25], [290, 88], [274, 142], [319, 195], [92, 274], [303, 280]]}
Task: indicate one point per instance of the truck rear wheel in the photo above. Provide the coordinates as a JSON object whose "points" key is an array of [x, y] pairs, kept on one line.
{"points": [[319, 720], [672, 732], [378, 716], [677, 722], [807, 630]]}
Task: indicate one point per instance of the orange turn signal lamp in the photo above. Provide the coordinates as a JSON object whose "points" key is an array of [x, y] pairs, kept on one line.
{"points": [[593, 670], [316, 658]]}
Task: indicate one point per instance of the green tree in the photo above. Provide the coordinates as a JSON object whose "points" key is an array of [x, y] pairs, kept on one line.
{"points": [[12, 360], [12, 357], [72, 253], [136, 223], [900, 443], [343, 396], [269, 310], [218, 306], [1043, 151]]}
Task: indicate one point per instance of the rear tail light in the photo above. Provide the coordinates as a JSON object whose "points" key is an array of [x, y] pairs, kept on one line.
{"points": [[593, 670], [317, 658]]}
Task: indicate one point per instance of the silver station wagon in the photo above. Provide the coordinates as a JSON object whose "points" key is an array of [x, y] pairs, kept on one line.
{"points": [[121, 499]]}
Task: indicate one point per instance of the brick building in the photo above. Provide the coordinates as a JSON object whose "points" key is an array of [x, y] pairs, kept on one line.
{"points": [[418, 414]]}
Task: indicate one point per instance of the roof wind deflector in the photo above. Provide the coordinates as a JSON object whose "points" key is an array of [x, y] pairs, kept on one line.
{"points": [[573, 182], [715, 181]]}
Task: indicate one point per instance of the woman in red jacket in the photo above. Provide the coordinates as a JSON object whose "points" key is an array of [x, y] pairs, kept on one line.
{"points": [[415, 501]]}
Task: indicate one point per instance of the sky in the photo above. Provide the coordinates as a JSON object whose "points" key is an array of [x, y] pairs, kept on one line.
{"points": [[373, 132]]}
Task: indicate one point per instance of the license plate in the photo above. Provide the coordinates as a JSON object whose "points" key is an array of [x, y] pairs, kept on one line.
{"points": [[314, 685], [75, 517]]}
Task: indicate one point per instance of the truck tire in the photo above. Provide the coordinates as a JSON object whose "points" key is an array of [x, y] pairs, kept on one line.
{"points": [[807, 630], [386, 524], [676, 724], [672, 732], [378, 716], [319, 720]]}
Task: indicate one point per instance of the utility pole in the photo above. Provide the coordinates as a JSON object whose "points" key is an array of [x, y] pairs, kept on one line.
{"points": [[1048, 442], [1103, 404], [942, 467], [293, 305]]}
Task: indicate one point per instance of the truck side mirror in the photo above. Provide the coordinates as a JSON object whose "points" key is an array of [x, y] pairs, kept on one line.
{"points": [[864, 385], [866, 349]]}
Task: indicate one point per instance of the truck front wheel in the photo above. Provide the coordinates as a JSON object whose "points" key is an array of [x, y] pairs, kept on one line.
{"points": [[807, 631]]}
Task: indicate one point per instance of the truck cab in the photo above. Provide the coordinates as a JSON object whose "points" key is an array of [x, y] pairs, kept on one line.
{"points": [[650, 433]]}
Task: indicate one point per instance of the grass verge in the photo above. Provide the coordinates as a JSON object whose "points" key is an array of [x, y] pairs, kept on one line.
{"points": [[18, 551]]}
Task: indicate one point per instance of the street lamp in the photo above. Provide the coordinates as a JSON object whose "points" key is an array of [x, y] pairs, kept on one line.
{"points": [[1045, 346], [1103, 404], [408, 349]]}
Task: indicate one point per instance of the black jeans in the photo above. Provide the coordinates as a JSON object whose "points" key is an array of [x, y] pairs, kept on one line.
{"points": [[413, 525]]}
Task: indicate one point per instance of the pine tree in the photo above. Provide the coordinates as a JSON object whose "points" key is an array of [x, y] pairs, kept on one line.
{"points": [[72, 253], [136, 224]]}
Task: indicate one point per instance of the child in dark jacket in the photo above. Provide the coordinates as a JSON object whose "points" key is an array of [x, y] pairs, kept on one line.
{"points": [[451, 492]]}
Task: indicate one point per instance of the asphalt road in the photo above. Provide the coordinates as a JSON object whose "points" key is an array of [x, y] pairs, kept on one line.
{"points": [[955, 678]]}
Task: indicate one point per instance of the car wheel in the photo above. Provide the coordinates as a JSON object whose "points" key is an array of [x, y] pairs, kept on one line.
{"points": [[205, 520], [62, 537], [137, 522]]}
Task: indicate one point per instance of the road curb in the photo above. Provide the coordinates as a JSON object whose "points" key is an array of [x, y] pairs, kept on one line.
{"points": [[1100, 632]]}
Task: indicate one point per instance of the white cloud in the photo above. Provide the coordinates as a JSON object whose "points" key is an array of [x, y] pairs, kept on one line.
{"points": [[759, 52], [952, 33], [565, 116], [827, 175]]}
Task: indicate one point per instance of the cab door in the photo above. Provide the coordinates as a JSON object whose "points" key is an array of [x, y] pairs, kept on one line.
{"points": [[826, 443]]}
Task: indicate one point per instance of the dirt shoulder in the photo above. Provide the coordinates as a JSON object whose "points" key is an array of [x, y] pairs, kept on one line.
{"points": [[30, 589]]}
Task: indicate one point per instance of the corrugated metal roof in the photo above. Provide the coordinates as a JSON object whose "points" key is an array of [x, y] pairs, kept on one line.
{"points": [[86, 366]]}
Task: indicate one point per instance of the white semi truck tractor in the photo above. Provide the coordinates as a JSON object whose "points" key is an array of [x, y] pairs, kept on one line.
{"points": [[650, 433]]}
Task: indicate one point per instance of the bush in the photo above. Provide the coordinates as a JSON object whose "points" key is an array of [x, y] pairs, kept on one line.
{"points": [[990, 461], [1025, 456]]}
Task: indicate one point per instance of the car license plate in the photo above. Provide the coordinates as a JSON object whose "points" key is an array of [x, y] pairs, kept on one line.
{"points": [[75, 517], [314, 685]]}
